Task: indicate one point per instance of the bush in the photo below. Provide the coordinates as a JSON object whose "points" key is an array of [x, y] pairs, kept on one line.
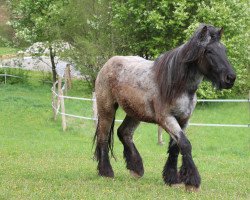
{"points": [[149, 28], [22, 75], [233, 16]]}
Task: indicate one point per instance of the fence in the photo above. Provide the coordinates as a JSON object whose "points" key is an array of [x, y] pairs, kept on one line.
{"points": [[8, 75], [58, 102], [5, 75], [58, 96]]}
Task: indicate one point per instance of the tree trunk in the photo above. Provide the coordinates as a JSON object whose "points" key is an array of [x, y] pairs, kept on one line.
{"points": [[52, 59]]}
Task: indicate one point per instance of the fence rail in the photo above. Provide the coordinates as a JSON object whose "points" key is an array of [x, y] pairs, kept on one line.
{"points": [[60, 98]]}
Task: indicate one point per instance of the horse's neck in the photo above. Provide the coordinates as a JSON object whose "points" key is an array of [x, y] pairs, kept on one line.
{"points": [[194, 78]]}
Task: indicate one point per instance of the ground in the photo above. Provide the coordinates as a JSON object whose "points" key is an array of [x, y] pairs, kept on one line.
{"points": [[39, 161]]}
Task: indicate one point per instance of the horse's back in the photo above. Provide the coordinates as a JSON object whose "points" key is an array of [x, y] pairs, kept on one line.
{"points": [[119, 67], [126, 62], [128, 81]]}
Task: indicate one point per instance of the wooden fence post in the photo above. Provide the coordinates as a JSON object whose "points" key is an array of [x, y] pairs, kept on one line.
{"points": [[68, 76], [58, 104], [95, 114], [5, 76], [160, 141], [64, 125], [54, 101]]}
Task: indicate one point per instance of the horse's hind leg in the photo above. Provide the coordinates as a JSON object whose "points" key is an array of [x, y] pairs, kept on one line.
{"points": [[131, 155], [104, 140]]}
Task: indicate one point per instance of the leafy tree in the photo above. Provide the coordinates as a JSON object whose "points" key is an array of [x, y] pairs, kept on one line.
{"points": [[88, 29], [149, 28], [234, 17], [39, 21], [6, 32]]}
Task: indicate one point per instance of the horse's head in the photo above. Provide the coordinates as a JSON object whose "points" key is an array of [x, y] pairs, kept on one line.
{"points": [[213, 63]]}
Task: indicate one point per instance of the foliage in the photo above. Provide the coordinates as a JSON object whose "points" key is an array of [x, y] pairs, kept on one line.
{"points": [[39, 21], [7, 50], [22, 75], [6, 32], [98, 29], [234, 17], [148, 28], [88, 30]]}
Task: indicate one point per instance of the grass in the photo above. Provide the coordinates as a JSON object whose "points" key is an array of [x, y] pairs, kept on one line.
{"points": [[7, 50], [39, 161]]}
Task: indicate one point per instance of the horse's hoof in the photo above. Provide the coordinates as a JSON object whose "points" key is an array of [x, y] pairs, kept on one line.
{"points": [[106, 174], [190, 188], [107, 177], [177, 185], [134, 174], [161, 143]]}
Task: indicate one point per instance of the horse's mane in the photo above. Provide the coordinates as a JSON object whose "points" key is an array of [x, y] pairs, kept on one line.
{"points": [[174, 68]]}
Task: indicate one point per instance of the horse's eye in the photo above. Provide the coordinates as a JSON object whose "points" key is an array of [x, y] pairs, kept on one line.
{"points": [[208, 51]]}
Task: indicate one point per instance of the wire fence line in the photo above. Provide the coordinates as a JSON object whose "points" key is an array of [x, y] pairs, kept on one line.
{"points": [[20, 77], [61, 97]]}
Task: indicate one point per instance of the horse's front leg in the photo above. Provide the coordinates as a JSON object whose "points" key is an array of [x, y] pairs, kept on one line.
{"points": [[189, 174], [170, 174]]}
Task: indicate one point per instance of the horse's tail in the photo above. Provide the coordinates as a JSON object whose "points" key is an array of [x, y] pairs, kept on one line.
{"points": [[110, 141]]}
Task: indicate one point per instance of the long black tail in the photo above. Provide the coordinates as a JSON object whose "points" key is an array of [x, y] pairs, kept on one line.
{"points": [[110, 141]]}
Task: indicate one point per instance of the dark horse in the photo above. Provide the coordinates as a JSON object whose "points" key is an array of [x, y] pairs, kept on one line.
{"points": [[160, 92]]}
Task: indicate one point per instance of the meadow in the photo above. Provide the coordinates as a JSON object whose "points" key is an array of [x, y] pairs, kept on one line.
{"points": [[7, 50], [40, 161]]}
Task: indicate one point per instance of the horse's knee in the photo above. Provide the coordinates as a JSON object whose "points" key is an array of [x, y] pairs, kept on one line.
{"points": [[124, 135], [184, 144]]}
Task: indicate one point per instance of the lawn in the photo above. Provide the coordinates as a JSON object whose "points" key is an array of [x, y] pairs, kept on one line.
{"points": [[7, 50], [39, 161]]}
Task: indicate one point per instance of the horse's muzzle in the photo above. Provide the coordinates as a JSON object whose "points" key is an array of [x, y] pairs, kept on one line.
{"points": [[228, 81]]}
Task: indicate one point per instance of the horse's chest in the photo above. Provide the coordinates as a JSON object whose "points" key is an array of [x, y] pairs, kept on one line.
{"points": [[184, 106]]}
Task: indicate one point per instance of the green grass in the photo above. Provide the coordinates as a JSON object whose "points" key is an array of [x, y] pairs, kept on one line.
{"points": [[7, 50], [39, 161]]}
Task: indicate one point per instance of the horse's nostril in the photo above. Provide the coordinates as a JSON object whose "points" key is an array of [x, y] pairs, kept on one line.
{"points": [[230, 78]]}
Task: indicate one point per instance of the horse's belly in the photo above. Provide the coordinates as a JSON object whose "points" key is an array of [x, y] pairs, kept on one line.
{"points": [[135, 103]]}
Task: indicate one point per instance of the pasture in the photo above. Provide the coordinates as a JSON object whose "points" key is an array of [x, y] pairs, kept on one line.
{"points": [[7, 50], [39, 161]]}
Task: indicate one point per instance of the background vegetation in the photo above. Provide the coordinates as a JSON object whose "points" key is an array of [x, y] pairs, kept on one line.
{"points": [[98, 29]]}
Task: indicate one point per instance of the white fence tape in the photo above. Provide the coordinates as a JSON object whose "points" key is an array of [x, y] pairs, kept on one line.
{"points": [[224, 100], [8, 75], [222, 125], [191, 124]]}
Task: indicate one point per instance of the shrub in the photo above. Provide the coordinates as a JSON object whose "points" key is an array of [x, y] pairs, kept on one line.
{"points": [[22, 75]]}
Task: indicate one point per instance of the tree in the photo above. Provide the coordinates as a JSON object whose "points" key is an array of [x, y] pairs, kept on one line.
{"points": [[234, 17], [39, 21], [88, 29], [149, 28]]}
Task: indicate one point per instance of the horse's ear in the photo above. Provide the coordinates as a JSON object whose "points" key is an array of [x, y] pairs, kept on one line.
{"points": [[220, 32], [203, 35]]}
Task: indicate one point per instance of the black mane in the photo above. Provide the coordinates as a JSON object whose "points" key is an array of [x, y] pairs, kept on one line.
{"points": [[176, 67]]}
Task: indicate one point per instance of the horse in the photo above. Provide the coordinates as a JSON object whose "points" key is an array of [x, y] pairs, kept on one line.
{"points": [[162, 92]]}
